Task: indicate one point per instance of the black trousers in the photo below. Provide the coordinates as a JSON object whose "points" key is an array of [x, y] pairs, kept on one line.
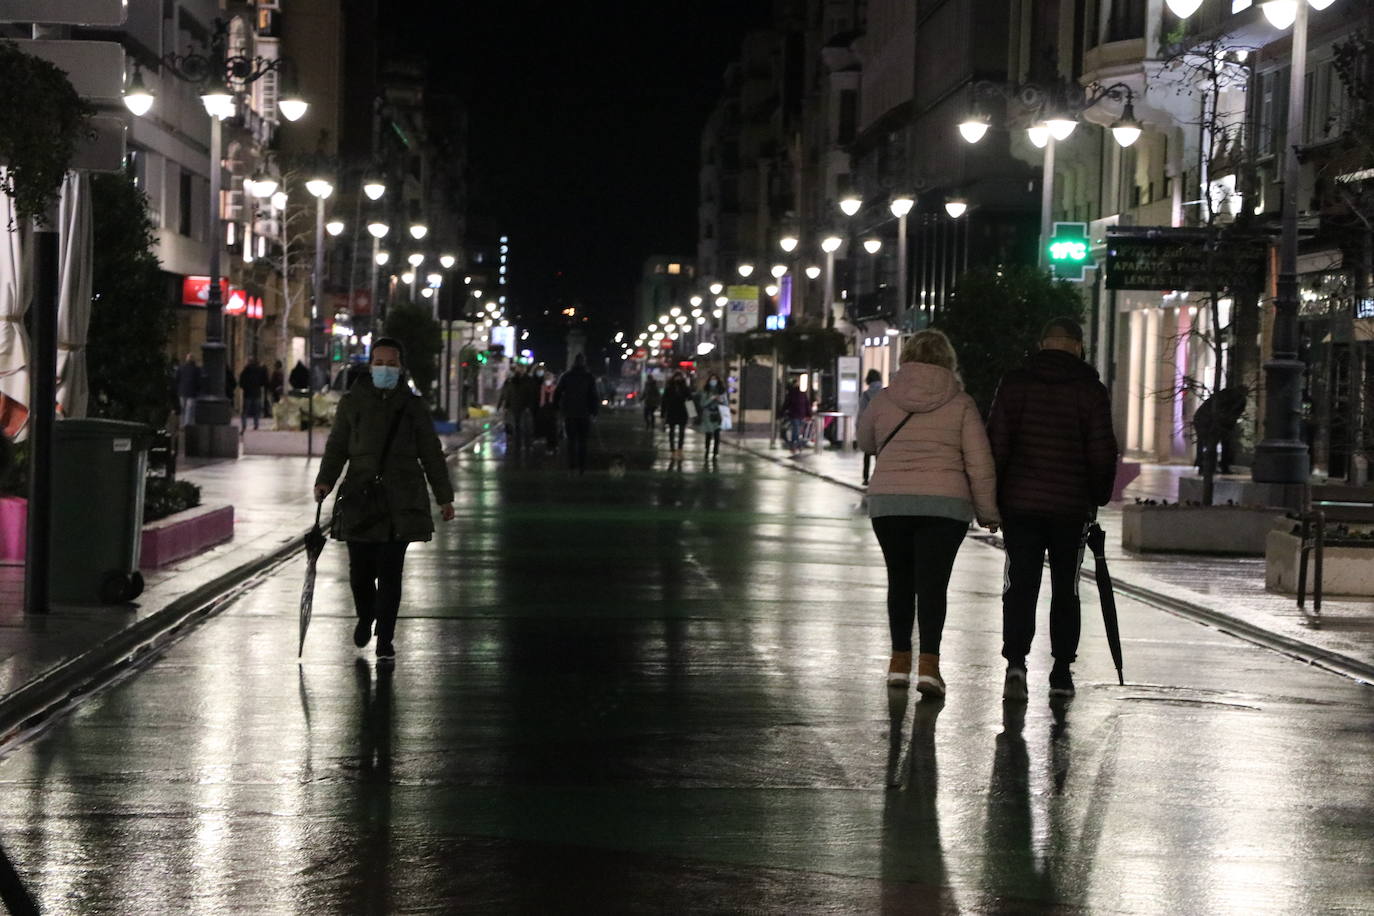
{"points": [[868, 465], [712, 443], [578, 429], [650, 415], [677, 434], [1028, 539], [374, 574], [919, 551]]}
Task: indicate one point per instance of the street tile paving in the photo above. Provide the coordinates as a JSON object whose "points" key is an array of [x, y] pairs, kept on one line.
{"points": [[664, 693]]}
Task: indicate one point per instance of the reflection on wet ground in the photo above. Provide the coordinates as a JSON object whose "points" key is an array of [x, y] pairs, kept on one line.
{"points": [[664, 692]]}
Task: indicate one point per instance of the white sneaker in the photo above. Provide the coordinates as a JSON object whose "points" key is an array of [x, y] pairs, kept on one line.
{"points": [[1014, 687]]}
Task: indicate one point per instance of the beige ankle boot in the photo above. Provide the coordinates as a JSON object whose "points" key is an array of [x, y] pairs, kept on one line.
{"points": [[928, 680], [899, 670]]}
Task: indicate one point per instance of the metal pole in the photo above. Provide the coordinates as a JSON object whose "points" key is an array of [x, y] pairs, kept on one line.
{"points": [[773, 402], [38, 558], [1046, 204], [315, 290], [212, 407], [895, 343], [828, 303], [1282, 456], [372, 290]]}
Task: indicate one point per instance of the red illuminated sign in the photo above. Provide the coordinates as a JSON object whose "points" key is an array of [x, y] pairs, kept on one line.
{"points": [[196, 290]]}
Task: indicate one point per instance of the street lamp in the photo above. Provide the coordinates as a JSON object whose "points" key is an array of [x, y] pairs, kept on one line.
{"points": [[1126, 129], [778, 270], [974, 127], [381, 259], [137, 98], [788, 243], [873, 245], [716, 288], [813, 272], [418, 231], [851, 204], [320, 188], [745, 270], [829, 245], [334, 227], [262, 186], [415, 259], [446, 261], [374, 187], [696, 301], [901, 208], [956, 207]]}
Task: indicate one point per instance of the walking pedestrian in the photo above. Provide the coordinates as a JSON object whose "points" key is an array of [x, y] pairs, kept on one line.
{"points": [[1051, 434], [675, 397], [796, 410], [385, 436], [577, 400], [277, 383], [188, 388], [874, 383], [253, 381], [934, 475], [652, 398], [546, 415], [709, 401], [517, 404], [300, 377]]}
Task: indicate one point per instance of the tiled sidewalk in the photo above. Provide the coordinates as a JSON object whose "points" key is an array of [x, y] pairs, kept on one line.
{"points": [[1231, 588]]}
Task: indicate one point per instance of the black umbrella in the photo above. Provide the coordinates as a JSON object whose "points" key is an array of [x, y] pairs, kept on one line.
{"points": [[1096, 539], [314, 546]]}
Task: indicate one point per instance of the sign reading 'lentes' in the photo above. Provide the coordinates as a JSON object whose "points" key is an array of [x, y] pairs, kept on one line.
{"points": [[1164, 258]]}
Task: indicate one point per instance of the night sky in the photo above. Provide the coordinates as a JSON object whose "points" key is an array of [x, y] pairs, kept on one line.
{"points": [[585, 129]]}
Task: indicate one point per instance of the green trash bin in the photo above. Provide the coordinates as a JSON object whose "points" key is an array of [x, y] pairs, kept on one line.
{"points": [[99, 468]]}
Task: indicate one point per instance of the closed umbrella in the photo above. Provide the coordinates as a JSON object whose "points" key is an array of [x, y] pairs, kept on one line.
{"points": [[74, 294], [16, 263], [314, 546], [1096, 540]]}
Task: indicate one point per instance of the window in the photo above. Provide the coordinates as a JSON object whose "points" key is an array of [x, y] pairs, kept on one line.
{"points": [[185, 222], [1126, 21], [675, 269]]}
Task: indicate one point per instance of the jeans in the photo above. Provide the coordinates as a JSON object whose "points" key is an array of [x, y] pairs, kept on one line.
{"points": [[677, 435], [1028, 538], [577, 428], [794, 433], [252, 410], [919, 551], [374, 574]]}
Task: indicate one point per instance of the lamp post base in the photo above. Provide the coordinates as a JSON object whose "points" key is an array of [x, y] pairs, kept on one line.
{"points": [[214, 435], [1281, 461]]}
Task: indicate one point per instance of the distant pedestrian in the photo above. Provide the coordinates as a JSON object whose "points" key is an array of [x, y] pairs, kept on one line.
{"points": [[277, 382], [651, 397], [934, 475], [874, 384], [710, 400], [188, 388], [577, 399], [300, 377], [253, 380], [796, 410], [382, 432], [545, 414], [1051, 433], [675, 397], [517, 402]]}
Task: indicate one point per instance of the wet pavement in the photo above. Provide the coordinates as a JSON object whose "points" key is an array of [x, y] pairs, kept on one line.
{"points": [[664, 692]]}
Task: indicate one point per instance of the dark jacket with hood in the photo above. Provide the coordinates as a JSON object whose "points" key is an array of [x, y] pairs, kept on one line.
{"points": [[576, 396], [676, 394], [1051, 434], [360, 428]]}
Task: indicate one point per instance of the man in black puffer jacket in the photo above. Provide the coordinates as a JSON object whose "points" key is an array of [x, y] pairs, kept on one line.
{"points": [[1051, 435]]}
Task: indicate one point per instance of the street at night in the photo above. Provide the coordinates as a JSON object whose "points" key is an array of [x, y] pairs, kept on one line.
{"points": [[664, 693]]}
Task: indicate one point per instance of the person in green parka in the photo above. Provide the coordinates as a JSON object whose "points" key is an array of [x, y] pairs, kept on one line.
{"points": [[377, 544]]}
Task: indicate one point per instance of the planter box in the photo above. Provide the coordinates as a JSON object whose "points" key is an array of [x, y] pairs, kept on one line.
{"points": [[184, 534], [1345, 570], [1221, 530]]}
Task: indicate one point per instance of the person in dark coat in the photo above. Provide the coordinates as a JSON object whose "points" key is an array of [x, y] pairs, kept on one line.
{"points": [[874, 384], [518, 400], [796, 410], [576, 398], [377, 544], [188, 388], [277, 382], [675, 397], [253, 380], [652, 398], [1051, 433], [300, 376]]}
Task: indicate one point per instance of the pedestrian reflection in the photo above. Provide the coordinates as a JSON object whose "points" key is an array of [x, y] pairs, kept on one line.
{"points": [[374, 787], [913, 859]]}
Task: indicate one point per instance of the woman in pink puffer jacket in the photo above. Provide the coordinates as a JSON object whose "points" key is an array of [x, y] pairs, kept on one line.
{"points": [[934, 475]]}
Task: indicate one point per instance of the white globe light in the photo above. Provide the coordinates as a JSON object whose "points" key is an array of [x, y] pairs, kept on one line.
{"points": [[851, 204], [1061, 128], [716, 288], [1039, 135], [416, 259], [334, 227], [378, 229], [718, 313], [788, 243], [427, 292], [771, 290], [419, 231], [722, 301], [408, 277], [279, 200], [973, 129], [263, 187], [1183, 8], [219, 104], [434, 279], [695, 300], [320, 187], [901, 206], [374, 188], [138, 99], [382, 258], [831, 244], [745, 270], [777, 270], [446, 261], [873, 246], [675, 311], [1320, 4], [956, 207], [1125, 134], [292, 108], [813, 271], [1280, 13], [662, 319]]}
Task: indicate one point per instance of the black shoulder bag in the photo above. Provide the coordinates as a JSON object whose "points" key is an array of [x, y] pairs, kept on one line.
{"points": [[895, 430], [367, 506]]}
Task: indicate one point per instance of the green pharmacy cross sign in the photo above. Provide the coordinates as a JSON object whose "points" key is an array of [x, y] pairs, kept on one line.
{"points": [[1068, 250]]}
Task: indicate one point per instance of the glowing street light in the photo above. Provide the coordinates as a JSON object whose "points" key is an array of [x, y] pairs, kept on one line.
{"points": [[446, 261], [873, 246], [416, 259], [778, 270], [374, 187], [745, 270], [974, 128], [851, 204], [901, 206], [831, 244], [138, 98], [382, 257], [334, 227], [418, 231], [378, 229], [956, 207], [813, 272], [788, 243]]}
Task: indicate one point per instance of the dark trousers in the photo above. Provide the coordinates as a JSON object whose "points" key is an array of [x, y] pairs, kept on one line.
{"points": [[650, 415], [1028, 539], [374, 573], [578, 428], [868, 464], [919, 551], [677, 434], [712, 443]]}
